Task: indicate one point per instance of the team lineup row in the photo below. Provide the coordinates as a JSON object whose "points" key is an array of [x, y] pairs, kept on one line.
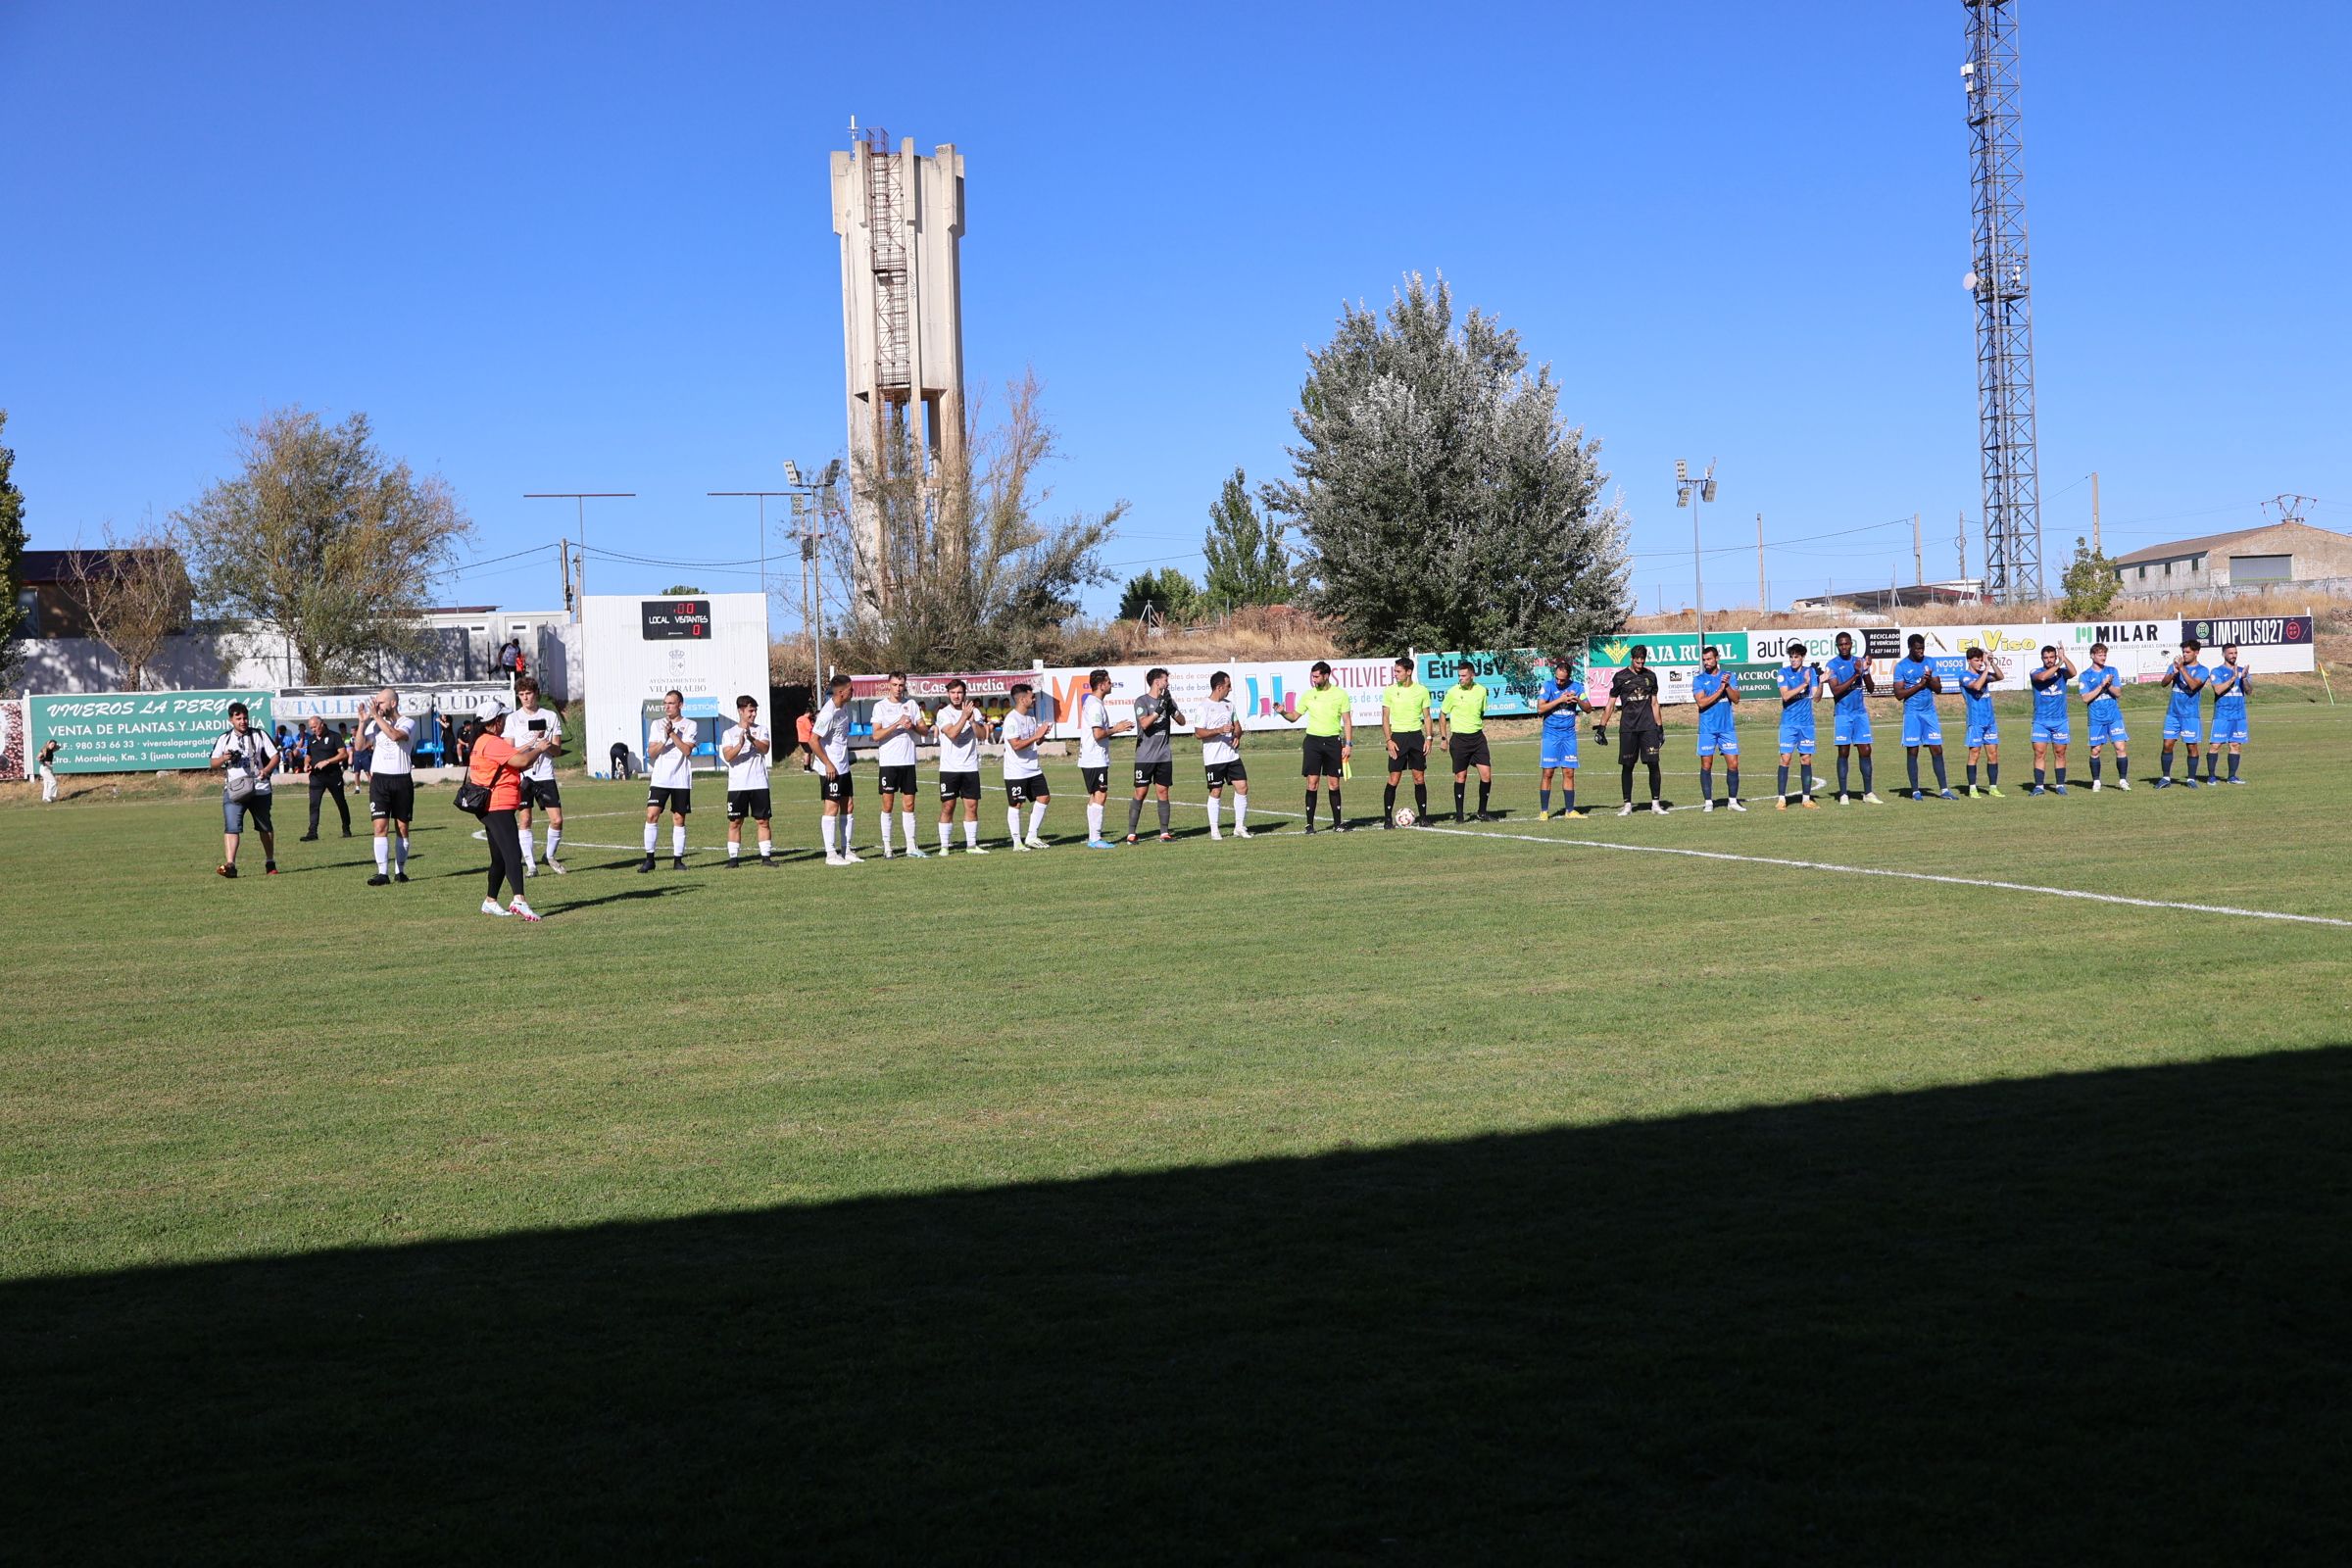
{"points": [[1412, 724]]}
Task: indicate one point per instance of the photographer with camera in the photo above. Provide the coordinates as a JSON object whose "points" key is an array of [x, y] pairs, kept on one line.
{"points": [[249, 757], [391, 783], [497, 764]]}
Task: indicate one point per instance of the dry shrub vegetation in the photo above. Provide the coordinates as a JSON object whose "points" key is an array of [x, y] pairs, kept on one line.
{"points": [[1280, 632]]}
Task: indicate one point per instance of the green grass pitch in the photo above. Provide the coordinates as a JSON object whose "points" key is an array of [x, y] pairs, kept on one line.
{"points": [[1392, 1197]]}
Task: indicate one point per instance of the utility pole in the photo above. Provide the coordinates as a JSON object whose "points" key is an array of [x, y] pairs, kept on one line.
{"points": [[564, 561], [2094, 513], [1960, 543], [763, 496], [579, 500], [1763, 599], [1919, 564]]}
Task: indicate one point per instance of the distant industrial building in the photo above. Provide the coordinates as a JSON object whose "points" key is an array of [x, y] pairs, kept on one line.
{"points": [[1958, 591], [2279, 555]]}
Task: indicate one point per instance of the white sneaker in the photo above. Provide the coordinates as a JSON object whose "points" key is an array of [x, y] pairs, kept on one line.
{"points": [[973, 849], [557, 867], [1240, 833], [1872, 799], [1035, 843], [1214, 836], [523, 909], [847, 858], [1704, 810], [1019, 845], [886, 851], [1627, 810], [1657, 807], [913, 853], [530, 869], [833, 858], [2094, 786], [2122, 783], [1736, 806], [490, 906]]}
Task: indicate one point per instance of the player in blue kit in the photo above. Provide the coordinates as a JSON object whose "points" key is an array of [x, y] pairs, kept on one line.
{"points": [[2103, 717], [1716, 692], [1978, 728], [2186, 677], [1801, 687], [1850, 682], [2049, 716], [2229, 684], [1916, 684], [1561, 699]]}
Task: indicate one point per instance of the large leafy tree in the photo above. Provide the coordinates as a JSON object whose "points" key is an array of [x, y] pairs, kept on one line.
{"points": [[2090, 583], [1166, 593], [11, 562], [958, 569], [1445, 503], [1248, 564], [325, 539], [134, 591]]}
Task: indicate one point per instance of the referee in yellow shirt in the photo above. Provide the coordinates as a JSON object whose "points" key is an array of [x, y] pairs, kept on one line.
{"points": [[1330, 715], [1404, 721], [1462, 725]]}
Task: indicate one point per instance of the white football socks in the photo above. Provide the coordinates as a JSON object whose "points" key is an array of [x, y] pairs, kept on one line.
{"points": [[383, 857], [886, 836], [1094, 822], [1216, 814], [1241, 809], [1037, 820], [1012, 823], [555, 836], [653, 832], [971, 834], [677, 838], [906, 820], [400, 861], [828, 825]]}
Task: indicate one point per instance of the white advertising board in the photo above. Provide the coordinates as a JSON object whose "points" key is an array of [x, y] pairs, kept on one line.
{"points": [[1265, 691], [711, 648]]}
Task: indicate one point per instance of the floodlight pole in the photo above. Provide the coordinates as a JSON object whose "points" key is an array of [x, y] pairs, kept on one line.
{"points": [[763, 496], [579, 500], [1689, 492]]}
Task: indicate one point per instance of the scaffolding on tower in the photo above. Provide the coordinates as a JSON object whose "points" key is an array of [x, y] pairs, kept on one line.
{"points": [[2001, 278]]}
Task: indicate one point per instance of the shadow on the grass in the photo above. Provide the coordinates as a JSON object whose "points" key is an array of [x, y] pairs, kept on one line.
{"points": [[2097, 1317]]}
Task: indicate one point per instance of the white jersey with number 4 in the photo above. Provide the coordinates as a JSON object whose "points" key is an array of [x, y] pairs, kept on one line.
{"points": [[1093, 716], [749, 770], [673, 769], [959, 754], [898, 750], [1021, 729]]}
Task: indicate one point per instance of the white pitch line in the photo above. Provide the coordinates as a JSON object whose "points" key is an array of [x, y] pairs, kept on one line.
{"points": [[1907, 876]]}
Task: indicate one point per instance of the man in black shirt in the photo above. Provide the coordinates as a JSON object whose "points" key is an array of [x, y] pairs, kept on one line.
{"points": [[327, 754], [1642, 732]]}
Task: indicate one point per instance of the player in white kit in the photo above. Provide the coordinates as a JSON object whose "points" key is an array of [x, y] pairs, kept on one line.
{"points": [[959, 726], [1095, 732], [746, 750], [1219, 729], [897, 723], [830, 731], [1024, 776], [669, 778], [391, 783], [527, 724]]}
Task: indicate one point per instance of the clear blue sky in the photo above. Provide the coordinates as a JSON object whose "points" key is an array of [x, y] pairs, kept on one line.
{"points": [[554, 248]]}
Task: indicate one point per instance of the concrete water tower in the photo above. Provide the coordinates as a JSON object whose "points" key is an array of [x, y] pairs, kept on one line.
{"points": [[900, 222]]}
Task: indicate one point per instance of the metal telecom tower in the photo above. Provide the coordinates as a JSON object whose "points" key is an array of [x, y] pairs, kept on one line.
{"points": [[2002, 281]]}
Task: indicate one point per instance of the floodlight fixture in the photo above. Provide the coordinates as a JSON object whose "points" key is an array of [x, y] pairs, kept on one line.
{"points": [[792, 471]]}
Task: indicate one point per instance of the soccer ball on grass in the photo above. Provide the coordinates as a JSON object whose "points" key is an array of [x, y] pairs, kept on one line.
{"points": [[1404, 816]]}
